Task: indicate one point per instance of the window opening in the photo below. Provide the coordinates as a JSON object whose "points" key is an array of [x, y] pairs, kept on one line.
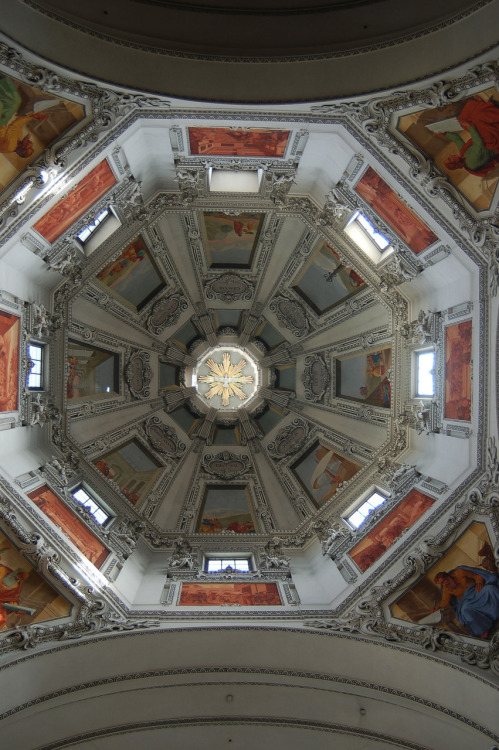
{"points": [[359, 516], [381, 241], [87, 231], [220, 564], [96, 511], [425, 365], [35, 376]]}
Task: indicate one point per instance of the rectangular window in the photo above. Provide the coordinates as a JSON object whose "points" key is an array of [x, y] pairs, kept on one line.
{"points": [[87, 231], [425, 374], [98, 513], [368, 237], [359, 516], [35, 375], [221, 564]]}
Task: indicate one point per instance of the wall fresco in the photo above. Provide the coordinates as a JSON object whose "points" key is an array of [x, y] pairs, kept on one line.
{"points": [[9, 361], [233, 142], [388, 530], [325, 282], [460, 593], [365, 377], [133, 277], [30, 120], [53, 507], [25, 598], [92, 372], [226, 594], [458, 371], [462, 139], [66, 211], [133, 469], [230, 241], [397, 214], [321, 471], [226, 509]]}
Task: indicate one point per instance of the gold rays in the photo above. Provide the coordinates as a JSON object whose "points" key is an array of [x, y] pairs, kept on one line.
{"points": [[225, 379]]}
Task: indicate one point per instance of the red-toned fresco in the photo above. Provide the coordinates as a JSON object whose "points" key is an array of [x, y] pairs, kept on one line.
{"points": [[387, 531], [458, 371], [216, 594], [9, 361], [244, 142], [80, 199], [25, 598], [397, 214], [30, 120], [460, 593], [54, 508], [462, 139]]}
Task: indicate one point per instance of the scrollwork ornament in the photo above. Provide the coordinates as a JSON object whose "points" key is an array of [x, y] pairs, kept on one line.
{"points": [[226, 465], [290, 440], [163, 438], [138, 374], [292, 315], [316, 378], [165, 312], [229, 287]]}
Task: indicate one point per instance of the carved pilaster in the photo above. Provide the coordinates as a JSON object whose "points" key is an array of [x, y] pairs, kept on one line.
{"points": [[174, 399], [174, 355]]}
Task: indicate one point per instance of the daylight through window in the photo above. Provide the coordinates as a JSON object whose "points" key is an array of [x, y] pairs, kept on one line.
{"points": [[84, 234], [359, 516], [88, 502], [425, 374], [219, 564], [35, 375]]}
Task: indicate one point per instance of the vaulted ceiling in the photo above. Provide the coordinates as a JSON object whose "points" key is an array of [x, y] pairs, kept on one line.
{"points": [[232, 233]]}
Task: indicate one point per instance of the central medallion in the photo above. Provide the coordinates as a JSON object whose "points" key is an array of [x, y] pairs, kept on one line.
{"points": [[226, 377]]}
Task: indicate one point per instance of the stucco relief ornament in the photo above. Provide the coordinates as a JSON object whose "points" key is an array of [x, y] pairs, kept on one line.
{"points": [[273, 556], [163, 438], [316, 378], [165, 312], [289, 440], [183, 556], [229, 287], [43, 323], [138, 374], [291, 314], [225, 379], [226, 465]]}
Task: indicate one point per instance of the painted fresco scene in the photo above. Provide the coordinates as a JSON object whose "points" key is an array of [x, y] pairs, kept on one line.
{"points": [[230, 241], [461, 592], [132, 468], [54, 508], [325, 281], [82, 197], [322, 470], [226, 509], [462, 139], [388, 530], [238, 142], [132, 277], [458, 371], [92, 372], [25, 598], [365, 377], [395, 212], [224, 594], [30, 121], [9, 361]]}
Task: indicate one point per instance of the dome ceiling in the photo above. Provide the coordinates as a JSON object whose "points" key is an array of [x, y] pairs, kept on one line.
{"points": [[230, 303], [279, 51]]}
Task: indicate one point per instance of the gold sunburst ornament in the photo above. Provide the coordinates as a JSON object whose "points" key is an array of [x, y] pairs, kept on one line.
{"points": [[225, 379]]}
